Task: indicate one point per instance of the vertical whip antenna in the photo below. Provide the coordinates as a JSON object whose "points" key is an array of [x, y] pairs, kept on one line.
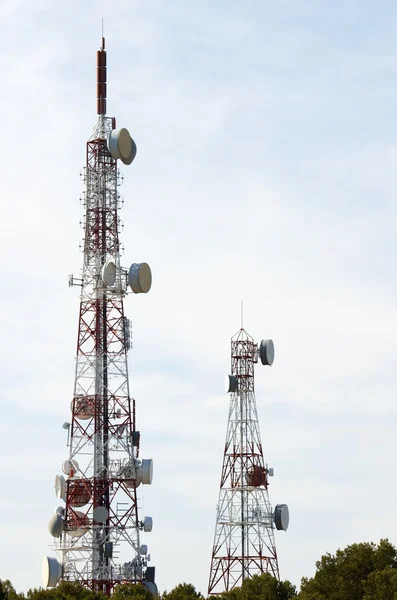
{"points": [[101, 79]]}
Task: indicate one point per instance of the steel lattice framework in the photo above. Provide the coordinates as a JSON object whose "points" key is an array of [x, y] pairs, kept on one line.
{"points": [[99, 527], [244, 533]]}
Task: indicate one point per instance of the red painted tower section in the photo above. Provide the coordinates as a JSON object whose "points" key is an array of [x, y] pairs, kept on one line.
{"points": [[98, 528], [244, 542]]}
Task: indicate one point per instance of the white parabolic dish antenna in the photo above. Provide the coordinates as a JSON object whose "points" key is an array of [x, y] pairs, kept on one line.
{"points": [[80, 526], [147, 524], [109, 273], [230, 384], [60, 487], [51, 571], [55, 525], [266, 352], [100, 514], [140, 278], [79, 494], [147, 471], [70, 466], [84, 409], [121, 145], [152, 587], [281, 517]]}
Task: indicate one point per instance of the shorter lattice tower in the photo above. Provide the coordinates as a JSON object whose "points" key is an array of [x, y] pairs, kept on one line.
{"points": [[244, 533]]}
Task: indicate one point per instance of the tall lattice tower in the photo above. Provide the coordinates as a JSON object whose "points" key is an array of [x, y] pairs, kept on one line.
{"points": [[244, 533], [98, 528]]}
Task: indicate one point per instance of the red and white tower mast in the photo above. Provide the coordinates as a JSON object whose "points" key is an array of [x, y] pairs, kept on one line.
{"points": [[98, 528], [244, 533]]}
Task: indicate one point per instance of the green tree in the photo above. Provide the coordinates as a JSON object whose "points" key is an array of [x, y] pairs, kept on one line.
{"points": [[344, 576], [234, 594], [262, 587], [267, 587], [7, 591], [381, 585], [66, 590], [183, 591], [131, 590]]}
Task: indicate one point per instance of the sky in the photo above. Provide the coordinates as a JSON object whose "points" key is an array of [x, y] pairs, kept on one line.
{"points": [[265, 172]]}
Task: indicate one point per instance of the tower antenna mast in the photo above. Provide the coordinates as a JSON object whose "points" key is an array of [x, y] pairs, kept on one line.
{"points": [[244, 532], [97, 528]]}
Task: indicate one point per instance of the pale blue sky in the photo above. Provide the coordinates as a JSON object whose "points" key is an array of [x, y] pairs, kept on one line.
{"points": [[266, 172]]}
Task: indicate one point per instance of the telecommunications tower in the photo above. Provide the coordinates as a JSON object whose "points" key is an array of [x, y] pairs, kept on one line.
{"points": [[97, 528], [244, 533]]}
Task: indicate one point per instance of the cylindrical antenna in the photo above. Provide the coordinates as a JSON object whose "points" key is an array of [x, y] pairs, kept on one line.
{"points": [[101, 80]]}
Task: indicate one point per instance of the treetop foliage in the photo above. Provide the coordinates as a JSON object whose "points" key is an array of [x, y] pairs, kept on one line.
{"points": [[356, 573], [261, 587], [183, 591], [364, 571], [130, 590]]}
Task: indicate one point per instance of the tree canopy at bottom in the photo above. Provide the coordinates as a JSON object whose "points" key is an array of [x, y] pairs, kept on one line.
{"points": [[364, 571]]}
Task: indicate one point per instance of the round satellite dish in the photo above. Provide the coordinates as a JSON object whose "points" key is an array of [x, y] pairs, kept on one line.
{"points": [[147, 524], [109, 273], [83, 409], [130, 483], [140, 278], [132, 155], [152, 587], [70, 466], [55, 525], [266, 352], [60, 487], [60, 510], [256, 476], [281, 517], [77, 533], [121, 145], [51, 571], [230, 384], [78, 524], [143, 549], [147, 471], [100, 514], [79, 493]]}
